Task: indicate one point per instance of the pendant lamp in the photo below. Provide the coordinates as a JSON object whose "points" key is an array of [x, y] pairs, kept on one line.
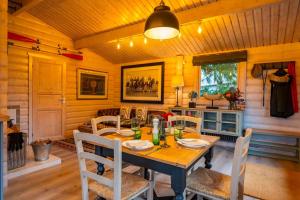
{"points": [[162, 23]]}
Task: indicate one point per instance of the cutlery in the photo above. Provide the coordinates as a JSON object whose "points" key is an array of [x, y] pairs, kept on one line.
{"points": [[157, 149]]}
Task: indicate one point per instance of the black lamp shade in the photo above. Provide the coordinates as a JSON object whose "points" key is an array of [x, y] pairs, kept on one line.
{"points": [[161, 24]]}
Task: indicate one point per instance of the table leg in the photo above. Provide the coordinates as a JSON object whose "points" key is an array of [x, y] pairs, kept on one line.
{"points": [[100, 166], [146, 174], [178, 183], [208, 157]]}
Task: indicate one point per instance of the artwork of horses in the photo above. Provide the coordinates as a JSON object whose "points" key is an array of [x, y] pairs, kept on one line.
{"points": [[143, 83]]}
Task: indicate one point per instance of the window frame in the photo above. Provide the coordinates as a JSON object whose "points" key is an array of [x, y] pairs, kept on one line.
{"points": [[241, 84]]}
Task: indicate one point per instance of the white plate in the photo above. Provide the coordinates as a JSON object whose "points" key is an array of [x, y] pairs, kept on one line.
{"points": [[125, 132], [193, 143], [137, 144]]}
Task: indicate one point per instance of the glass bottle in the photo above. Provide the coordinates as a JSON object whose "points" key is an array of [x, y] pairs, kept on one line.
{"points": [[155, 132]]}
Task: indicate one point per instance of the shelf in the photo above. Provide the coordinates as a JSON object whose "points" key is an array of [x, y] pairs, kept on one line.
{"points": [[274, 145], [226, 122], [207, 120]]}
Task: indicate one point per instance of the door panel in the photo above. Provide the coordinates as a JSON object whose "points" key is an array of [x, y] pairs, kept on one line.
{"points": [[49, 125], [48, 77], [50, 101]]}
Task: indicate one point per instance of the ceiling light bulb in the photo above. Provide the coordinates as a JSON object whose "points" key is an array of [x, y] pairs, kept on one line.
{"points": [[145, 41], [199, 29], [118, 46], [131, 43]]}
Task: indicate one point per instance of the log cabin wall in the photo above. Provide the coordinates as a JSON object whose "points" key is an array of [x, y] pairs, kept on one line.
{"points": [[3, 91], [77, 111], [255, 113], [190, 74], [3, 57]]}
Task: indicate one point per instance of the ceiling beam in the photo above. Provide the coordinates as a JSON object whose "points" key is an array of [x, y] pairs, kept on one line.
{"points": [[26, 5], [220, 7]]}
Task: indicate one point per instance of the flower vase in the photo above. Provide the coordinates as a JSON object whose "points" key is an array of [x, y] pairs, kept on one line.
{"points": [[232, 105]]}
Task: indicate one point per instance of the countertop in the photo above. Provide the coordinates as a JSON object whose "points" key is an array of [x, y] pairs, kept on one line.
{"points": [[3, 117]]}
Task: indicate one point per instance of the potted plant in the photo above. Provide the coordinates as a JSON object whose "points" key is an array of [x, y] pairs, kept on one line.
{"points": [[193, 96], [41, 149], [232, 95]]}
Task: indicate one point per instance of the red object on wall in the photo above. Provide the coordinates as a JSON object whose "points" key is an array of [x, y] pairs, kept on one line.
{"points": [[15, 36], [73, 56], [292, 73]]}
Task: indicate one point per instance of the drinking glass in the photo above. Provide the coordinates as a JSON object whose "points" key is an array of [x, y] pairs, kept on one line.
{"points": [[137, 134], [178, 132], [135, 124]]}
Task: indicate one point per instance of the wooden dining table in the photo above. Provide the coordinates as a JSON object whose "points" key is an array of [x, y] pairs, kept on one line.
{"points": [[175, 160]]}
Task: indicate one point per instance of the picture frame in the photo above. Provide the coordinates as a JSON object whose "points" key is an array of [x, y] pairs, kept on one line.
{"points": [[143, 83], [91, 84]]}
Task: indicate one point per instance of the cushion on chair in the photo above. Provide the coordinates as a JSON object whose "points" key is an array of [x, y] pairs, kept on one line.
{"points": [[141, 113], [125, 112], [209, 183], [131, 185]]}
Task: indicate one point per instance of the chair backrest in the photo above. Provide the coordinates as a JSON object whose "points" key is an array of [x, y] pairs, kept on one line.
{"points": [[116, 164], [239, 165], [96, 121], [195, 120]]}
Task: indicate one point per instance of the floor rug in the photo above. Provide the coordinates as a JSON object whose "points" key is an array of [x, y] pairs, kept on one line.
{"points": [[273, 182]]}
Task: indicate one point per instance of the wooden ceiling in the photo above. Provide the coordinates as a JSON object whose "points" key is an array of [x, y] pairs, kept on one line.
{"points": [[85, 17], [270, 24]]}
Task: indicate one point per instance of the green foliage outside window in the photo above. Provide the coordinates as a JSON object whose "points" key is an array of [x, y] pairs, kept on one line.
{"points": [[218, 78]]}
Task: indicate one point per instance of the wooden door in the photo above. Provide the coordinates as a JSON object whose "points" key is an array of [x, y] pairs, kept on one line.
{"points": [[48, 83]]}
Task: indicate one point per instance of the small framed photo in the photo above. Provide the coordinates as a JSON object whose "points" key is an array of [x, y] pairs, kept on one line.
{"points": [[91, 84]]}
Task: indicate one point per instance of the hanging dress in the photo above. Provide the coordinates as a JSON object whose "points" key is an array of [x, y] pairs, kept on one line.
{"points": [[281, 103]]}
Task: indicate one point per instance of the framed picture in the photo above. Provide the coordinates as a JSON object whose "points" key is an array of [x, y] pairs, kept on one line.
{"points": [[143, 83], [91, 84]]}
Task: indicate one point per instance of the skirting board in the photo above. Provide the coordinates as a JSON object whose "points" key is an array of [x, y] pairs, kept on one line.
{"points": [[33, 166]]}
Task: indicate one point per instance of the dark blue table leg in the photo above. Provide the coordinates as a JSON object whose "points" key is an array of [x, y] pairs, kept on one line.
{"points": [[100, 166], [146, 174], [208, 157], [178, 183]]}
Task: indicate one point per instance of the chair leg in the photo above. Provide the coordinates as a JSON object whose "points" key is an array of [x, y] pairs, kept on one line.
{"points": [[152, 185]]}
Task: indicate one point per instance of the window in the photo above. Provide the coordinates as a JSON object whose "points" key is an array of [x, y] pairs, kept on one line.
{"points": [[218, 78]]}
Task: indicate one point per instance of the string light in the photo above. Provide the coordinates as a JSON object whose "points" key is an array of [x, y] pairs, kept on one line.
{"points": [[199, 30], [145, 40], [179, 35], [131, 43]]}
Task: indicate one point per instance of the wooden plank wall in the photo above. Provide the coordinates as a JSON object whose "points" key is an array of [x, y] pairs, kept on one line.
{"points": [[3, 88], [3, 57], [77, 111], [256, 115], [190, 79]]}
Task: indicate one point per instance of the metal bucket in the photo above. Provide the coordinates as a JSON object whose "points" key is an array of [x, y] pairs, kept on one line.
{"points": [[41, 150]]}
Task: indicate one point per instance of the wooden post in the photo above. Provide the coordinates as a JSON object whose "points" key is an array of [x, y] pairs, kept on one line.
{"points": [[3, 77]]}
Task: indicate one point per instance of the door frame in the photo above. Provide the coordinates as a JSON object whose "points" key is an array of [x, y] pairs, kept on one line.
{"points": [[31, 56]]}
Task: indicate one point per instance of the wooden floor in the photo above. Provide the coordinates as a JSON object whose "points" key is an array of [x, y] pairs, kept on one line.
{"points": [[63, 182]]}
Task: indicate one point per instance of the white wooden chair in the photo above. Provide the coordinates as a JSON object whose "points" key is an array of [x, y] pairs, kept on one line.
{"points": [[195, 120], [114, 184], [214, 185], [96, 121]]}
